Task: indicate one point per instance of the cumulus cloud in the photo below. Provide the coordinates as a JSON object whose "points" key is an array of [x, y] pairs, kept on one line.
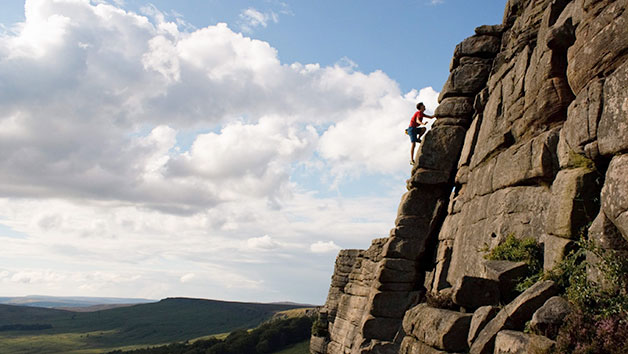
{"points": [[324, 247], [262, 243], [131, 141], [119, 90]]}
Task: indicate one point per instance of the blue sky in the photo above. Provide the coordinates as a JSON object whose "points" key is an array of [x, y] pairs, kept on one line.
{"points": [[215, 149]]}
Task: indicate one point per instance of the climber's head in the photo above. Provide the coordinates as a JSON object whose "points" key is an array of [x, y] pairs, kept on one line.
{"points": [[420, 106]]}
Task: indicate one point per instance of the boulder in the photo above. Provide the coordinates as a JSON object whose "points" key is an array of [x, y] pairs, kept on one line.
{"points": [[392, 304], [455, 107], [606, 236], [441, 148], [318, 345], [478, 46], [506, 273], [467, 79], [554, 250], [613, 128], [583, 116], [411, 345], [442, 329], [391, 270], [380, 328], [397, 247], [424, 176], [550, 317], [615, 193], [534, 159], [574, 203], [473, 292], [514, 315], [420, 202], [480, 318], [461, 122], [490, 30], [513, 342]]}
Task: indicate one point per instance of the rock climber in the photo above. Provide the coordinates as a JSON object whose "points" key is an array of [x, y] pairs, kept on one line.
{"points": [[417, 128]]}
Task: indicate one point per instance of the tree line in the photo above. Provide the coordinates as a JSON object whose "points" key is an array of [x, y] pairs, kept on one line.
{"points": [[267, 338]]}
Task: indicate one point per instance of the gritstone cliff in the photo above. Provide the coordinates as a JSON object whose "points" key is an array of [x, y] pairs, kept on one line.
{"points": [[531, 140]]}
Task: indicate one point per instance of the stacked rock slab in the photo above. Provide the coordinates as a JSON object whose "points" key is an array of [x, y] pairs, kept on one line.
{"points": [[532, 141]]}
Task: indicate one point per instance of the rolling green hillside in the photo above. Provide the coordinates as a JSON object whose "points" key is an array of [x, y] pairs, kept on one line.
{"points": [[169, 320]]}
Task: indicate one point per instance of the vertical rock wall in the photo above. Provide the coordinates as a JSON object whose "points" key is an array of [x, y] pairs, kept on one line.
{"points": [[531, 141]]}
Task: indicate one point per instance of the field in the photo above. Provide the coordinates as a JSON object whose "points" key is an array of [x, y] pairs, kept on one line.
{"points": [[166, 321], [300, 348]]}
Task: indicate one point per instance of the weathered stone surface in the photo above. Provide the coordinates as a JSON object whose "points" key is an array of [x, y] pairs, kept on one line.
{"points": [[442, 329], [480, 318], [380, 328], [490, 30], [575, 201], [501, 176], [606, 235], [513, 342], [550, 317], [425, 176], [507, 273], [615, 193], [466, 80], [478, 46], [418, 202], [455, 107], [411, 345], [488, 219], [441, 148], [318, 345], [583, 116], [392, 304], [473, 292], [554, 250], [601, 41], [410, 249], [613, 128], [514, 315], [396, 271], [461, 122], [530, 160], [380, 347], [469, 142]]}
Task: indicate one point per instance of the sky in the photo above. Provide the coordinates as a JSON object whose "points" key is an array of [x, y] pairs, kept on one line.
{"points": [[209, 148]]}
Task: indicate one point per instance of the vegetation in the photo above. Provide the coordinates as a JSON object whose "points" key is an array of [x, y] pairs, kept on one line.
{"points": [[24, 327], [299, 348], [520, 250], [319, 328], [599, 322], [170, 320], [268, 338]]}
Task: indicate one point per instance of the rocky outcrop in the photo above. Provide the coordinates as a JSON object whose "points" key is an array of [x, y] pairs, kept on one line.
{"points": [[531, 141]]}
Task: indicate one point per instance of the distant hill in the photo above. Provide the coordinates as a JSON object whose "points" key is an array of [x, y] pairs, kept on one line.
{"points": [[69, 301], [169, 320]]}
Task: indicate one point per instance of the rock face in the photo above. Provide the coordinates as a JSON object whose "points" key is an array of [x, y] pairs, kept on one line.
{"points": [[531, 140]]}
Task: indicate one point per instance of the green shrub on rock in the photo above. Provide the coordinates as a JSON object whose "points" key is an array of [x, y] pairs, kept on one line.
{"points": [[526, 250], [599, 323]]}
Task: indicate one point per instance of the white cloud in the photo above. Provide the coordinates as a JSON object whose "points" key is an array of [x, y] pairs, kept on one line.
{"points": [[262, 243], [324, 247], [131, 142], [251, 18]]}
